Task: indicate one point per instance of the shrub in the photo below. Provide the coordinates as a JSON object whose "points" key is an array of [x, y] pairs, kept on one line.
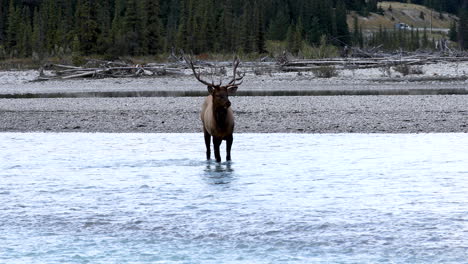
{"points": [[416, 70], [78, 60], [421, 15], [386, 71], [325, 72], [403, 69], [323, 50], [406, 69]]}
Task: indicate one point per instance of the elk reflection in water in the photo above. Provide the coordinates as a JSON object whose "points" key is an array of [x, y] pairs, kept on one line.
{"points": [[219, 173]]}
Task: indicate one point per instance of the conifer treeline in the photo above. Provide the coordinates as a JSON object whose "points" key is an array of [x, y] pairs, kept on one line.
{"points": [[146, 27], [149, 27]]}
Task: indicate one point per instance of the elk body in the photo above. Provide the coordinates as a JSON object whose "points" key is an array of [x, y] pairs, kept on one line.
{"points": [[216, 114]]}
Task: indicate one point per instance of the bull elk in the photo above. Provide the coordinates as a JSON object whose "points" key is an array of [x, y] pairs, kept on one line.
{"points": [[216, 114]]}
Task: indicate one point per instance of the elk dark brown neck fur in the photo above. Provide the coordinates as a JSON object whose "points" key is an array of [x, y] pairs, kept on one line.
{"points": [[216, 115], [220, 117]]}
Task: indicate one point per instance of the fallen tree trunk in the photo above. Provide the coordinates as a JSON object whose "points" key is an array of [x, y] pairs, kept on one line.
{"points": [[364, 63], [64, 72]]}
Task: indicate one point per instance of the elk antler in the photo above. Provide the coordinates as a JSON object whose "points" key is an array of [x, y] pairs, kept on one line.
{"points": [[189, 61], [235, 79]]}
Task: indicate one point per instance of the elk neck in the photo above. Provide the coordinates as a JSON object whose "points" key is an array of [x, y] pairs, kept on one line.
{"points": [[220, 115]]}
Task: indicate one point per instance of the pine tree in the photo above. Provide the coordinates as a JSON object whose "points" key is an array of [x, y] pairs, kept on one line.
{"points": [[213, 42], [463, 28], [298, 39], [198, 27], [204, 26], [247, 33], [13, 26], [153, 30], [453, 32], [181, 41], [425, 40], [326, 17], [417, 40], [171, 22], [25, 31], [86, 26], [314, 32], [3, 15], [117, 36], [259, 28], [372, 6], [341, 24], [356, 30], [76, 53], [226, 28], [104, 40], [294, 38], [279, 26], [51, 17], [290, 39], [133, 28], [37, 38]]}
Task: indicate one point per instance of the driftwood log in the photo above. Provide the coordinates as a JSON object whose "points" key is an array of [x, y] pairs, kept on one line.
{"points": [[105, 70], [284, 63], [363, 63]]}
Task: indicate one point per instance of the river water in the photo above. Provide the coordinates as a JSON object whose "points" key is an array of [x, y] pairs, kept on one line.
{"points": [[285, 198]]}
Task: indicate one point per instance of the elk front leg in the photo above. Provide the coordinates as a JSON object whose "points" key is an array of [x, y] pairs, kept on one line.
{"points": [[217, 142], [207, 143], [229, 141]]}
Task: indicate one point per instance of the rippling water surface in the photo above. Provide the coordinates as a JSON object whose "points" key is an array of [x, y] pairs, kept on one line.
{"points": [[285, 198]]}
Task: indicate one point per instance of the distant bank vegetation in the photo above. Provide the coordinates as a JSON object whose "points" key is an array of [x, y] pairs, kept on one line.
{"points": [[38, 29]]}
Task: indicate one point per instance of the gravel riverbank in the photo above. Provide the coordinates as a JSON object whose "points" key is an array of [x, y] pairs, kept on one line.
{"points": [[304, 114], [138, 107]]}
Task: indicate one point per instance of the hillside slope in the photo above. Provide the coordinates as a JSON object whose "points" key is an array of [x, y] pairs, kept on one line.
{"points": [[403, 13]]}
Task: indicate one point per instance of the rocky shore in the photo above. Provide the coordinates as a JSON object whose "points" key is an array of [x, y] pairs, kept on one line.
{"points": [[358, 105], [265, 114]]}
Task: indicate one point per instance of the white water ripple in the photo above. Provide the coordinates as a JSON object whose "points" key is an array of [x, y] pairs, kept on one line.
{"points": [[291, 198]]}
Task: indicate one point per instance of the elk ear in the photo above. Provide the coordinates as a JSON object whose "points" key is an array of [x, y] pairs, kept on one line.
{"points": [[232, 90], [210, 89]]}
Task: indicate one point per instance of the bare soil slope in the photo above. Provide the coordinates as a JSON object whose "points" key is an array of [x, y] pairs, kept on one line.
{"points": [[404, 13]]}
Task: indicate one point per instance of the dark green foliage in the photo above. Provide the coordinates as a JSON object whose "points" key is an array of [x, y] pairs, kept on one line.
{"points": [[3, 16], [463, 26], [279, 25], [226, 29], [133, 29], [453, 33], [149, 27], [87, 25], [13, 25], [37, 38], [343, 37], [259, 31], [24, 34], [154, 30], [401, 39], [246, 30], [325, 72]]}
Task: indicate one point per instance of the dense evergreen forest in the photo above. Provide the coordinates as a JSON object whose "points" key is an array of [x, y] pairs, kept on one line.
{"points": [[148, 27]]}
